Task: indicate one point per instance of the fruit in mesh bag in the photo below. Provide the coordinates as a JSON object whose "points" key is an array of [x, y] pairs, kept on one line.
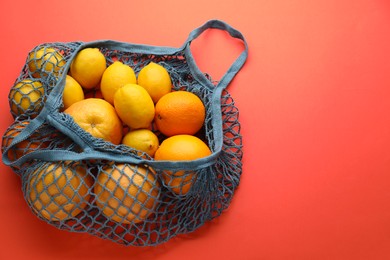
{"points": [[44, 61], [26, 97], [155, 79], [58, 191], [114, 77], [24, 147], [97, 117], [72, 93], [143, 140], [179, 112], [126, 193], [181, 148], [88, 67], [134, 106]]}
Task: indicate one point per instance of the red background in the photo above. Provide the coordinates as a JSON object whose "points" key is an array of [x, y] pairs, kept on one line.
{"points": [[314, 108]]}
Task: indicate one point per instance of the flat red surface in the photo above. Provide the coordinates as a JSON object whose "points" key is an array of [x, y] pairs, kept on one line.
{"points": [[314, 108]]}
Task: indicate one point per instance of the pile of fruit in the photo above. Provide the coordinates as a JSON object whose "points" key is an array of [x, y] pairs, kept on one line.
{"points": [[110, 102]]}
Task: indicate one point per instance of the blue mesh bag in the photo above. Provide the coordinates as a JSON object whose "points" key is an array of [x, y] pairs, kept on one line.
{"points": [[80, 183]]}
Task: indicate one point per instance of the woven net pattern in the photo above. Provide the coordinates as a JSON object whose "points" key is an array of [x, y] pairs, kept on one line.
{"points": [[132, 202]]}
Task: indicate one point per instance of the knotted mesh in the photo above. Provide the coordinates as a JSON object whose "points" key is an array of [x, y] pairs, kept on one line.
{"points": [[79, 183]]}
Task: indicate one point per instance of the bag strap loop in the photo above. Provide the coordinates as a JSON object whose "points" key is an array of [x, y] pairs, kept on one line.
{"points": [[234, 68]]}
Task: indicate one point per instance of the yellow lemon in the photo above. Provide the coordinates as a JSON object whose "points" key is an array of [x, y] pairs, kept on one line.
{"points": [[143, 140], [72, 93], [115, 76], [88, 67], [155, 79], [45, 60], [26, 97], [134, 106]]}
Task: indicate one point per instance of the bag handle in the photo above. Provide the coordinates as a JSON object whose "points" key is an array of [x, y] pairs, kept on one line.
{"points": [[234, 68]]}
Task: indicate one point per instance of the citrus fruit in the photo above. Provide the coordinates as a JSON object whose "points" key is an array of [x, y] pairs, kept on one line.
{"points": [[26, 97], [88, 67], [179, 112], [181, 148], [44, 61], [134, 106], [155, 79], [72, 93], [24, 147], [143, 140], [126, 193], [114, 77], [59, 191], [97, 117]]}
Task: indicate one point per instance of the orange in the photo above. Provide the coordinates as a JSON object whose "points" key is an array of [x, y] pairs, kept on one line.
{"points": [[126, 193], [97, 117], [27, 97], [114, 77], [44, 61], [59, 191], [72, 93], [24, 147], [179, 112], [88, 67], [181, 148], [155, 79]]}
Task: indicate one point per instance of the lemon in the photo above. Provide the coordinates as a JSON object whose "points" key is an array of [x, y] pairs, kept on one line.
{"points": [[155, 79], [115, 76], [134, 106], [88, 67], [45, 60], [26, 97], [143, 140], [72, 93]]}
